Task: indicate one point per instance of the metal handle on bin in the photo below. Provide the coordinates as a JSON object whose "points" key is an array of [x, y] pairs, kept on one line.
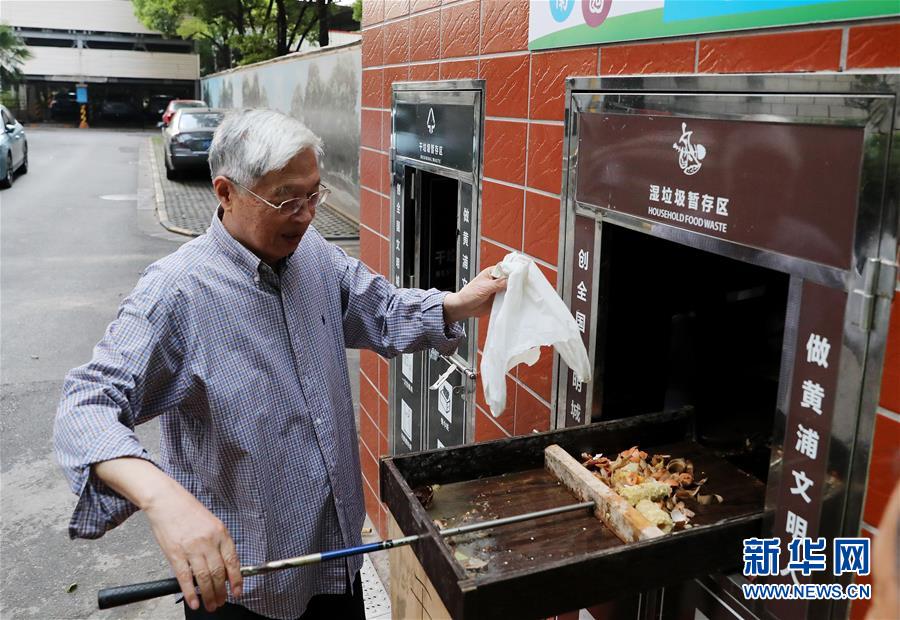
{"points": [[454, 365]]}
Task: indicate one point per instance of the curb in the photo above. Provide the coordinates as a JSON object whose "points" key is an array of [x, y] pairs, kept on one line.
{"points": [[161, 213], [345, 214]]}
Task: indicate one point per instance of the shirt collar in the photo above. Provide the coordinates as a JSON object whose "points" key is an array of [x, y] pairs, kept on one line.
{"points": [[233, 248], [243, 257]]}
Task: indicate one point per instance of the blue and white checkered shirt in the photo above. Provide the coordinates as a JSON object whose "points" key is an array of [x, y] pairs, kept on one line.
{"points": [[248, 374]]}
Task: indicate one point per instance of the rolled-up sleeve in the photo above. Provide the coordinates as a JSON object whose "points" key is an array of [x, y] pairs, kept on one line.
{"points": [[130, 379], [387, 319]]}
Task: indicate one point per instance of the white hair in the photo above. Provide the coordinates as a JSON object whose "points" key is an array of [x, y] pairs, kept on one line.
{"points": [[250, 143]]}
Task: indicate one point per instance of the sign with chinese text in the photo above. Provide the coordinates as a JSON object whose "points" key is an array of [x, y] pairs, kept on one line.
{"points": [[564, 23], [437, 133], [408, 369], [788, 188], [804, 475], [581, 302], [465, 267]]}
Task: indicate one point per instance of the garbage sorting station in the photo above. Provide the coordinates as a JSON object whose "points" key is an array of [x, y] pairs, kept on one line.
{"points": [[718, 209]]}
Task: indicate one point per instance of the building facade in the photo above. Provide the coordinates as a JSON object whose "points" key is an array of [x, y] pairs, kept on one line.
{"points": [[127, 69]]}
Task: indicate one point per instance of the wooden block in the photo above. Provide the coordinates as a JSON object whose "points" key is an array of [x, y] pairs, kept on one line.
{"points": [[412, 595], [610, 507]]}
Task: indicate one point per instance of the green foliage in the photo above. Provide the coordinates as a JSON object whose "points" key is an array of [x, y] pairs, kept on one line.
{"points": [[234, 32], [10, 99], [161, 15], [254, 47], [12, 55], [357, 10], [191, 27]]}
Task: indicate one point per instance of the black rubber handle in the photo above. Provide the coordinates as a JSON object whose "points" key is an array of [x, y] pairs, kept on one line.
{"points": [[123, 595]]}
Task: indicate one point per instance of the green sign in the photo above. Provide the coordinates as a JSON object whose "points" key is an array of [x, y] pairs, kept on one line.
{"points": [[565, 23]]}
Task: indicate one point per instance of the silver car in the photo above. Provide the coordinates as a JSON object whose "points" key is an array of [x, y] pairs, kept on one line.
{"points": [[13, 149], [187, 138]]}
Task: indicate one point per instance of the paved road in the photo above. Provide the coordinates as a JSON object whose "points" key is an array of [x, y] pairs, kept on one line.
{"points": [[68, 257]]}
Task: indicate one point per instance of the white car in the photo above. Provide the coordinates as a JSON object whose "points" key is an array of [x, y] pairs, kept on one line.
{"points": [[13, 149]]}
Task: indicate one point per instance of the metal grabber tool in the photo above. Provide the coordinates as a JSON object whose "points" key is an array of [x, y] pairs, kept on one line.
{"points": [[133, 593]]}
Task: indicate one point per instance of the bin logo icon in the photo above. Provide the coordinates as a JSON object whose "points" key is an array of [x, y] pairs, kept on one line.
{"points": [[406, 366], [561, 9], [690, 155], [405, 419], [595, 12], [429, 123], [445, 401]]}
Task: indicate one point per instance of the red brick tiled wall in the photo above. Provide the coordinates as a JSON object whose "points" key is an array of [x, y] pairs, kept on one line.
{"points": [[884, 465], [431, 39]]}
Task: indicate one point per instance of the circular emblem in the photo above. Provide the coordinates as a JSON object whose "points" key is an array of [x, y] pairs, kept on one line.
{"points": [[595, 11], [561, 9]]}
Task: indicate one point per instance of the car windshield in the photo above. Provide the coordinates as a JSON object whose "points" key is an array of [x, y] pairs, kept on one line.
{"points": [[208, 120], [178, 105]]}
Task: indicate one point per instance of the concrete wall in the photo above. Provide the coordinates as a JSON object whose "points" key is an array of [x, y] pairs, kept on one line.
{"points": [[86, 63], [96, 15], [320, 88]]}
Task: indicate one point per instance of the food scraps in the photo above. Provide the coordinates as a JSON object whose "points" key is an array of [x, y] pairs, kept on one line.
{"points": [[656, 487], [425, 495], [470, 563]]}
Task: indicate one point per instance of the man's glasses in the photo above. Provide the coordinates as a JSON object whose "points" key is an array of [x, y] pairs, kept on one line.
{"points": [[292, 205]]}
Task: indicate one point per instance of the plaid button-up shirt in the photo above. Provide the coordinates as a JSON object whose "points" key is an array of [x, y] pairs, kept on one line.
{"points": [[247, 372]]}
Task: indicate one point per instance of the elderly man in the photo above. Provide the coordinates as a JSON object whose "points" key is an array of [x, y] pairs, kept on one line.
{"points": [[236, 341]]}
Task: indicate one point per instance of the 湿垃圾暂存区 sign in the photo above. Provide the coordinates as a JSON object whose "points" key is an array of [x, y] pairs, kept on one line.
{"points": [[565, 23], [702, 175]]}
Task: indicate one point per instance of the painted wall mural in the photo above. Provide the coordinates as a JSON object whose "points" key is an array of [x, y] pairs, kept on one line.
{"points": [[320, 88]]}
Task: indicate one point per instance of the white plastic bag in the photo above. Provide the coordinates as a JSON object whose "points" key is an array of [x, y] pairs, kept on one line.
{"points": [[528, 315]]}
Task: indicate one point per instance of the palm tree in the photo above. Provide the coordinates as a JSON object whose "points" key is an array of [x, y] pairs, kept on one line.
{"points": [[12, 54]]}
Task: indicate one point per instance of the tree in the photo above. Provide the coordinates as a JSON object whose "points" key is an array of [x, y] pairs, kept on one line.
{"points": [[236, 32], [12, 54]]}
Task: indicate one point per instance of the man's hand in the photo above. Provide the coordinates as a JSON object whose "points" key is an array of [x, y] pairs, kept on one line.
{"points": [[194, 541], [474, 299], [197, 545]]}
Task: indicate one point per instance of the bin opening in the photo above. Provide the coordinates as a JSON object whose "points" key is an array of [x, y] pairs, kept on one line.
{"points": [[678, 326], [437, 199]]}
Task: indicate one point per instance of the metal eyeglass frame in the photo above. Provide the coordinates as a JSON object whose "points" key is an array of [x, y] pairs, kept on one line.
{"points": [[319, 197]]}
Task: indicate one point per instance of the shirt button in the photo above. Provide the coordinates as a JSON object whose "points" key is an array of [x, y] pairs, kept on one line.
{"points": [[256, 278], [318, 420]]}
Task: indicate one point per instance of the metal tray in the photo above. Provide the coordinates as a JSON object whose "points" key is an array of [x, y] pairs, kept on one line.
{"points": [[567, 561]]}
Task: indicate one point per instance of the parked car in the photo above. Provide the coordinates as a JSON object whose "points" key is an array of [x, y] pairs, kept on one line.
{"points": [[156, 107], [116, 108], [187, 138], [64, 106], [13, 149], [179, 104]]}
